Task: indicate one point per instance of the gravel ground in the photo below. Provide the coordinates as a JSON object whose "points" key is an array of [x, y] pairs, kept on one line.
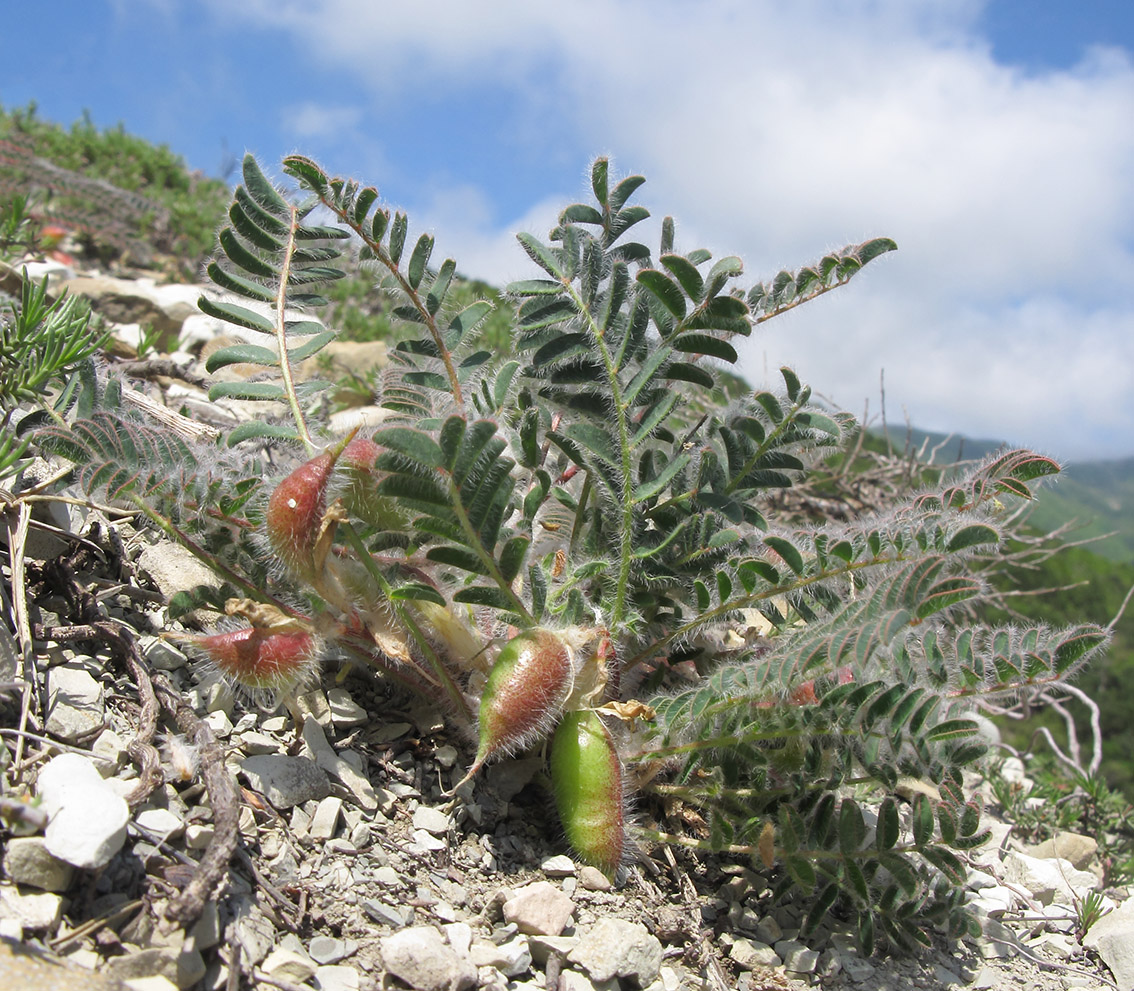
{"points": [[345, 837]]}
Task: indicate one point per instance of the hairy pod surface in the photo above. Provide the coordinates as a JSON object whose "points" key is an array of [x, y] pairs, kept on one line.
{"points": [[295, 511], [586, 775], [258, 659], [526, 690], [360, 495]]}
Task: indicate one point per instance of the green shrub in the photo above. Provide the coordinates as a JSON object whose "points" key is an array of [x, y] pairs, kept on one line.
{"points": [[583, 534]]}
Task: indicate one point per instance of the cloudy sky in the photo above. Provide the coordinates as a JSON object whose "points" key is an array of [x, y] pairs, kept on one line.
{"points": [[994, 141]]}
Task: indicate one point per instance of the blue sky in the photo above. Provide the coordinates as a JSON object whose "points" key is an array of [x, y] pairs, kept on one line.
{"points": [[993, 140]]}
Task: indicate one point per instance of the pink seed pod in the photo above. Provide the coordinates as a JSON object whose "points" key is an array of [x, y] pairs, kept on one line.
{"points": [[587, 779], [295, 511], [526, 690], [259, 660]]}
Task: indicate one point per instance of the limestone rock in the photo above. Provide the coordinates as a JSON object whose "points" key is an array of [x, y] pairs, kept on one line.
{"points": [[86, 817], [748, 954], [1073, 847], [425, 961], [1113, 937], [1048, 880], [74, 702], [617, 948], [27, 861], [539, 909], [286, 781]]}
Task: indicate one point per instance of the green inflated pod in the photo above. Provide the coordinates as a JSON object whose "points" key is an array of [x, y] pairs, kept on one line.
{"points": [[586, 775], [526, 690]]}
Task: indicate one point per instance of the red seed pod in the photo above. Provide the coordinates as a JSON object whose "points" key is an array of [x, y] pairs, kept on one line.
{"points": [[587, 778], [295, 511], [258, 659], [525, 693]]}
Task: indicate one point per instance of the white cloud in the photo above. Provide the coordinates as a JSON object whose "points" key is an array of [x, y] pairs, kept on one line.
{"points": [[778, 131], [309, 120]]}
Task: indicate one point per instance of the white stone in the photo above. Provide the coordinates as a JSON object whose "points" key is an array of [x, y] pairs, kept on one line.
{"points": [[286, 781], [539, 909], [327, 950], [1048, 880], [337, 978], [289, 965], [421, 957], [110, 752], [558, 866], [796, 956], [1113, 937], [511, 958], [747, 954], [326, 818], [199, 835], [324, 755], [618, 948], [27, 861], [86, 817], [160, 823], [38, 911], [74, 702], [345, 712], [433, 821], [459, 935]]}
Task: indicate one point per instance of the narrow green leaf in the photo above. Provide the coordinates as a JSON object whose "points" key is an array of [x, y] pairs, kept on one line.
{"points": [[787, 551], [362, 204], [419, 259], [624, 190], [457, 557], [486, 595], [246, 227], [921, 819], [534, 287], [238, 315], [239, 285], [705, 344], [417, 592], [542, 255], [852, 826], [255, 430], [310, 346], [512, 556], [580, 213], [973, 535], [889, 827], [801, 871], [305, 170], [819, 908], [655, 486], [440, 286], [599, 174], [950, 728], [415, 444], [686, 274], [241, 354], [397, 240], [682, 371], [262, 191], [664, 289], [245, 390]]}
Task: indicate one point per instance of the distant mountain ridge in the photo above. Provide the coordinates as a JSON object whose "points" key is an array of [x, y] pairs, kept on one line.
{"points": [[1097, 495]]}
